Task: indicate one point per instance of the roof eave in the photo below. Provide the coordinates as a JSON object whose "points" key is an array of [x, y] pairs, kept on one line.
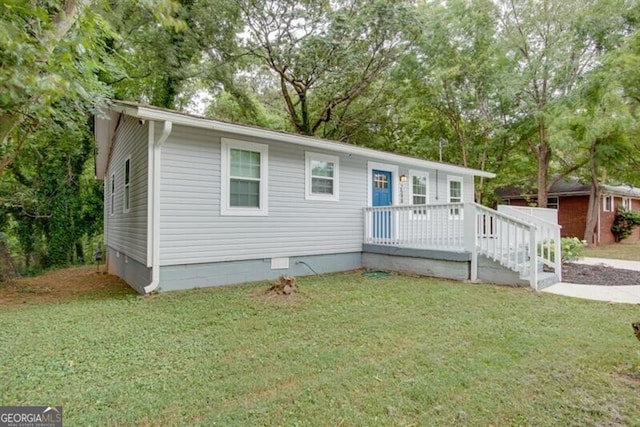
{"points": [[149, 113]]}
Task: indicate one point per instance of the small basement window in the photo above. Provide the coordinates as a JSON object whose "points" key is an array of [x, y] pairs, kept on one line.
{"points": [[243, 178], [321, 177]]}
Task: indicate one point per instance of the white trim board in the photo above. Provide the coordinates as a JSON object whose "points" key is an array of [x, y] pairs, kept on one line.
{"points": [[152, 113]]}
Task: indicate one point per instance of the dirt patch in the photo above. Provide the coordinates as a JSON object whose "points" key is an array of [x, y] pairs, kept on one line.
{"points": [[60, 285], [285, 289], [598, 275]]}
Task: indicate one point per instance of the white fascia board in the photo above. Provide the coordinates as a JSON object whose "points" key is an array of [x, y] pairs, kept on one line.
{"points": [[104, 128], [316, 143]]}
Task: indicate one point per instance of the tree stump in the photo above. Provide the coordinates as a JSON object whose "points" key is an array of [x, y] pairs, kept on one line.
{"points": [[286, 285], [636, 329]]}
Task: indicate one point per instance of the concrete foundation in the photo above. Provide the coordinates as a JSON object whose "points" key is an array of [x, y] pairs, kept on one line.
{"points": [[422, 262]]}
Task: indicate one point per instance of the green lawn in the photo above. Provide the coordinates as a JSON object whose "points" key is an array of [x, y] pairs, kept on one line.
{"points": [[351, 351], [627, 249]]}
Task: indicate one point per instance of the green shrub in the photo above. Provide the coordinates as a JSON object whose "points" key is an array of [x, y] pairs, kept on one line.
{"points": [[623, 224], [571, 248]]}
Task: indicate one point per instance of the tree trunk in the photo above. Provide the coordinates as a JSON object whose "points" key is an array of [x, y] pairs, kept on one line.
{"points": [[544, 157], [594, 205]]}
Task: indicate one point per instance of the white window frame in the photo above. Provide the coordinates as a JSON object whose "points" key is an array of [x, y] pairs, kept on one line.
{"points": [[422, 174], [606, 208], [227, 145], [626, 203], [451, 179], [309, 157], [126, 186], [112, 194], [557, 203]]}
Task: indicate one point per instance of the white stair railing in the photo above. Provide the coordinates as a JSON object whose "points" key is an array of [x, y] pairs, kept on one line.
{"points": [[508, 241], [548, 247], [511, 241]]}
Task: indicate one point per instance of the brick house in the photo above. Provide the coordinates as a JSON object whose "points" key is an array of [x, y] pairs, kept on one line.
{"points": [[571, 199]]}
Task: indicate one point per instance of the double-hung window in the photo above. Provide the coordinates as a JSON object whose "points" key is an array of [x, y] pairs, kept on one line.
{"points": [[112, 194], [419, 190], [455, 193], [553, 202], [127, 186], [607, 203], [626, 203], [321, 177], [244, 178]]}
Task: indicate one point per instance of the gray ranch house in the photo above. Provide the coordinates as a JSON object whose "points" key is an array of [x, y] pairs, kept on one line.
{"points": [[192, 202]]}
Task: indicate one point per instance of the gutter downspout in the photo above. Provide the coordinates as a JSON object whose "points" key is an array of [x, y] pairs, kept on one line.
{"points": [[155, 203]]}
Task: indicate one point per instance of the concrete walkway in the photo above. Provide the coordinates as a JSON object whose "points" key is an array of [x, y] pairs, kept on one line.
{"points": [[623, 294]]}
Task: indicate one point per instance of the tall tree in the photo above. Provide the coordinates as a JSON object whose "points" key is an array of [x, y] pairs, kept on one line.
{"points": [[165, 64], [555, 44], [48, 52], [325, 54], [454, 103]]}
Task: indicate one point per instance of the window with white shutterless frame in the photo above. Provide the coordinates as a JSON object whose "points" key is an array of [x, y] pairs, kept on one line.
{"points": [[419, 190], [243, 182], [626, 203], [112, 194], [126, 194], [607, 203], [454, 193], [322, 177]]}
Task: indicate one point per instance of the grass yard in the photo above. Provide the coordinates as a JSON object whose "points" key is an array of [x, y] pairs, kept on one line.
{"points": [[627, 249], [349, 350]]}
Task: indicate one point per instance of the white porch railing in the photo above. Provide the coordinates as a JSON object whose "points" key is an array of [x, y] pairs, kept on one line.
{"points": [[468, 227], [547, 236], [420, 226]]}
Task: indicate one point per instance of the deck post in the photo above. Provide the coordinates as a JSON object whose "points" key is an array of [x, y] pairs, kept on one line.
{"points": [[533, 257], [470, 237], [558, 254]]}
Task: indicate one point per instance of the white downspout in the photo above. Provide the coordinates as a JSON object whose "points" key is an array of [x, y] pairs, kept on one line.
{"points": [[155, 206]]}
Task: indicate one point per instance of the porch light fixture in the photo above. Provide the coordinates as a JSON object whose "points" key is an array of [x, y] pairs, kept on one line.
{"points": [[403, 178]]}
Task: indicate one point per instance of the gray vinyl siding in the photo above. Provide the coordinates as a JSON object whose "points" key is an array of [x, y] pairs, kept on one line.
{"points": [[127, 232], [193, 231], [438, 186]]}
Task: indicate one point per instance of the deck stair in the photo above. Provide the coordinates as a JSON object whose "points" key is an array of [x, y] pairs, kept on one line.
{"points": [[514, 239]]}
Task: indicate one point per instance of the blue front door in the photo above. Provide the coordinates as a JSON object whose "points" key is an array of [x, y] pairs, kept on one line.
{"points": [[381, 187]]}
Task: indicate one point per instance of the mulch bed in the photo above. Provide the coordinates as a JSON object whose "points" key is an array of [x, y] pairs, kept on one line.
{"points": [[598, 275]]}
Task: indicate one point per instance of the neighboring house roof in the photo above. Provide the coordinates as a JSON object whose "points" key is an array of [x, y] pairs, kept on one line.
{"points": [[106, 123], [621, 190], [570, 188]]}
